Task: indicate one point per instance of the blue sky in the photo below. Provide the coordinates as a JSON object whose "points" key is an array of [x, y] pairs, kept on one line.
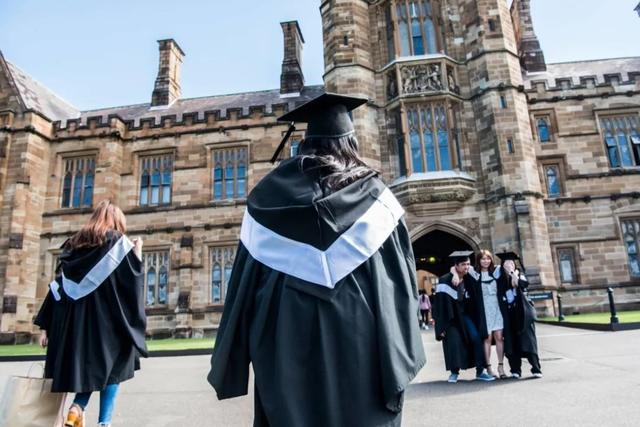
{"points": [[101, 54]]}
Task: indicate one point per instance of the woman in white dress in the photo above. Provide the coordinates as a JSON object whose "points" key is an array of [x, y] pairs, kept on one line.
{"points": [[487, 275]]}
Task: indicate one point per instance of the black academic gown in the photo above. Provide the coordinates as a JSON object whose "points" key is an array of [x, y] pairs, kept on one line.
{"points": [[521, 339], [448, 309], [474, 306], [324, 352], [94, 339]]}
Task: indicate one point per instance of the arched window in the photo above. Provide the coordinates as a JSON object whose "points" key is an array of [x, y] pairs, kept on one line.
{"points": [[163, 280], [77, 187], [241, 181], [415, 143], [155, 180], [216, 283], [622, 140], [151, 286], [429, 140], [432, 140], [417, 32], [543, 130], [88, 190], [230, 173], [553, 183], [443, 138], [156, 282], [66, 190], [228, 178]]}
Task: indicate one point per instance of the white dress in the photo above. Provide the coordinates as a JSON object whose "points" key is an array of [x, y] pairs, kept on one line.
{"points": [[490, 299]]}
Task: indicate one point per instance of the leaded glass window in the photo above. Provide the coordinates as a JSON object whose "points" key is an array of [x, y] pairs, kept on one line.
{"points": [[631, 237], [155, 180], [544, 133], [221, 261], [552, 175], [566, 263], [77, 182], [431, 138], [622, 140], [156, 278], [416, 29], [230, 173]]}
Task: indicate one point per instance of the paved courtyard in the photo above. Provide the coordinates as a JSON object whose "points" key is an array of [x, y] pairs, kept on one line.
{"points": [[591, 379]]}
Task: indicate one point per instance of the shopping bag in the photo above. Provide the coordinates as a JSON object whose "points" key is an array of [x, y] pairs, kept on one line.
{"points": [[28, 402]]}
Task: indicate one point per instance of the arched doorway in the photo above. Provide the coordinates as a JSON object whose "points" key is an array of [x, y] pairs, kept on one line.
{"points": [[432, 250]]}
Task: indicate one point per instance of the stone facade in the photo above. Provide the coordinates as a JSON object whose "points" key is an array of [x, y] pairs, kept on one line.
{"points": [[484, 143]]}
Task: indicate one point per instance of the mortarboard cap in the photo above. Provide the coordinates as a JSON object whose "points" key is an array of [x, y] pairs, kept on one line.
{"points": [[504, 256], [327, 116], [460, 256]]}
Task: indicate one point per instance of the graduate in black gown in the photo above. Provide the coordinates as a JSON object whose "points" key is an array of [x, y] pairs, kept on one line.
{"points": [[520, 326], [92, 319], [322, 299], [454, 312]]}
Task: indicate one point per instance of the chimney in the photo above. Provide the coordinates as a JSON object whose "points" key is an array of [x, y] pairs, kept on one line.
{"points": [[531, 55], [167, 87], [291, 79]]}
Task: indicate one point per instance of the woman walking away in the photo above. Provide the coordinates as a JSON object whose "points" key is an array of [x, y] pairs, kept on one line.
{"points": [[93, 320]]}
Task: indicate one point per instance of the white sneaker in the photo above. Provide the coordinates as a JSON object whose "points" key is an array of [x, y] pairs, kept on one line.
{"points": [[537, 375], [515, 375], [453, 378]]}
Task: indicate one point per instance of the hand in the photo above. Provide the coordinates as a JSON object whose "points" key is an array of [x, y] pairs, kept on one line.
{"points": [[137, 247], [455, 281], [43, 341]]}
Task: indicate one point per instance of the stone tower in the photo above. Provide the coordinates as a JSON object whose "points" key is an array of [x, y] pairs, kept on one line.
{"points": [[449, 118]]}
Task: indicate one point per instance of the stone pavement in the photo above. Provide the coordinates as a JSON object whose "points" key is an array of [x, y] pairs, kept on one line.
{"points": [[591, 379]]}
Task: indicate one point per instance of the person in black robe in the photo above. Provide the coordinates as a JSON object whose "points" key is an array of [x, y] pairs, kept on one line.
{"points": [[520, 341], [92, 320], [454, 312], [322, 298]]}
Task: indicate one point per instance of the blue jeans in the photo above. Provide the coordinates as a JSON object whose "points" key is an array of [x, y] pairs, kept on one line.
{"points": [[474, 336], [107, 400]]}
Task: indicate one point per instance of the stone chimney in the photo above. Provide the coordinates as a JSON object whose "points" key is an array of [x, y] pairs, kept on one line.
{"points": [[291, 79], [531, 55], [167, 87]]}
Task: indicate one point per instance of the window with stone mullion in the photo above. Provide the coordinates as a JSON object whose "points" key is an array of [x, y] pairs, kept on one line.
{"points": [[221, 262], [229, 173], [155, 180], [430, 138], [631, 237], [156, 278], [416, 29], [622, 140], [77, 183]]}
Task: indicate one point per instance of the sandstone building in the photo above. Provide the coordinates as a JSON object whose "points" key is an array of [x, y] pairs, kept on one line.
{"points": [[484, 143]]}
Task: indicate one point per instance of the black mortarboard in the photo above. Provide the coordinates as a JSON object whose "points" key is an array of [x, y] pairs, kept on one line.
{"points": [[327, 116], [504, 256], [460, 256]]}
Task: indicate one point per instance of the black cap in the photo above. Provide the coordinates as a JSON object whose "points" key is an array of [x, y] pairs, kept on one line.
{"points": [[505, 256], [460, 256], [327, 116]]}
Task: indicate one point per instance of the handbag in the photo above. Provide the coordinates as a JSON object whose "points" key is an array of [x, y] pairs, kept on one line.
{"points": [[27, 401]]}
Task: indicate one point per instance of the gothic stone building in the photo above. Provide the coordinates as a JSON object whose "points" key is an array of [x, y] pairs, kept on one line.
{"points": [[484, 144]]}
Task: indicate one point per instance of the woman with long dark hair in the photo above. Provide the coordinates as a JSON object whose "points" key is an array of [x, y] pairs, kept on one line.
{"points": [[322, 300], [92, 320]]}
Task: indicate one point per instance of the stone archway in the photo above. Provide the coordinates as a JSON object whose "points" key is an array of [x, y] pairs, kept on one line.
{"points": [[432, 243]]}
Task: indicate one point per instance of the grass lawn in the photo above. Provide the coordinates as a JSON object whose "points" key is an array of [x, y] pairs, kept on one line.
{"points": [[623, 316], [152, 345]]}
